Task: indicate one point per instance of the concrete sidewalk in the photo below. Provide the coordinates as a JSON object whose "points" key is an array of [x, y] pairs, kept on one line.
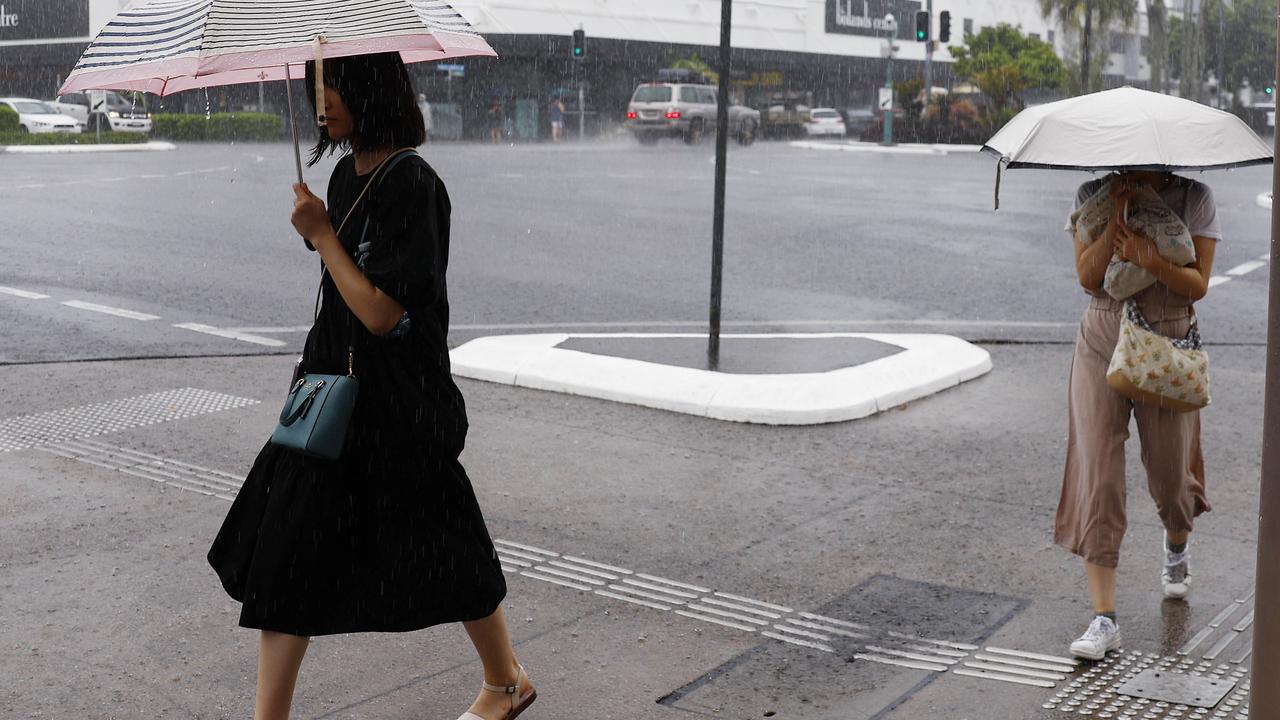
{"points": [[932, 521]]}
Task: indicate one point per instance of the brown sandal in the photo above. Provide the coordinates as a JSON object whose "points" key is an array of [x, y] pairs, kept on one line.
{"points": [[519, 703]]}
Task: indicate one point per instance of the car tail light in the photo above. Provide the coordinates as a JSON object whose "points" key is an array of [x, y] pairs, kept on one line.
{"points": [[673, 114], [631, 114]]}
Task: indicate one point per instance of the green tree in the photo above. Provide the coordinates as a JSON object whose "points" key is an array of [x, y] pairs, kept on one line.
{"points": [[1003, 62], [1092, 19]]}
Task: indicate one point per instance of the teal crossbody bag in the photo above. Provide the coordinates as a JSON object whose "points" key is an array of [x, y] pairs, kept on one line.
{"points": [[317, 411]]}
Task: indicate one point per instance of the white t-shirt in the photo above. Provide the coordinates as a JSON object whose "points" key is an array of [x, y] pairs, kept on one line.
{"points": [[1190, 199]]}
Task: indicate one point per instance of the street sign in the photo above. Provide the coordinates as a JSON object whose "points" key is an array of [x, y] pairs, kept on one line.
{"points": [[888, 49], [453, 70], [886, 98]]}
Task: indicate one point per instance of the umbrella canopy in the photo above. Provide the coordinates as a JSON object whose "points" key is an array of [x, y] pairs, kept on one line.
{"points": [[166, 46], [1127, 129]]}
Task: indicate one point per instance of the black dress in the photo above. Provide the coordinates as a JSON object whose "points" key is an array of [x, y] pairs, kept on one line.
{"points": [[389, 537]]}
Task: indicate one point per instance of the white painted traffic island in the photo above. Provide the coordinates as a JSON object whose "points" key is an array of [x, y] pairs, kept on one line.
{"points": [[771, 379]]}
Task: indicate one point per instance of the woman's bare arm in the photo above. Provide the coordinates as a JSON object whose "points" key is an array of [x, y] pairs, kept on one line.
{"points": [[376, 310], [1191, 281]]}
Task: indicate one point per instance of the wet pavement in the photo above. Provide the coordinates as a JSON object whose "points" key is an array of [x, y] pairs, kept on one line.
{"points": [[660, 565]]}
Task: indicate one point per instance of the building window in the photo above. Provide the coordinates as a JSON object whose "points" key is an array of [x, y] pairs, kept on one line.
{"points": [[968, 26], [1034, 36], [1144, 44], [1118, 43], [1050, 37]]}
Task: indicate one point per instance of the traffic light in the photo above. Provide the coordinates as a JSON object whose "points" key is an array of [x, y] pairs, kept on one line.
{"points": [[922, 26], [944, 26], [579, 44], [1270, 90]]}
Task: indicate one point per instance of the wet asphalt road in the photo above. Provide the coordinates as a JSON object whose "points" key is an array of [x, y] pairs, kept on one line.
{"points": [[930, 520]]}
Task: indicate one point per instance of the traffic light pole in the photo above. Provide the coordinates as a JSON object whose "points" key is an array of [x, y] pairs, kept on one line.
{"points": [[1264, 697], [888, 83], [722, 153], [928, 58]]}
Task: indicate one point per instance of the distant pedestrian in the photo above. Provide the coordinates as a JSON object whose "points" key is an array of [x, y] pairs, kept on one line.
{"points": [[1091, 512], [497, 121], [389, 537], [556, 115], [424, 107]]}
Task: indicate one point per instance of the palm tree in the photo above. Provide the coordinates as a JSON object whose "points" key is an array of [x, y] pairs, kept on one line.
{"points": [[1082, 14], [1158, 43]]}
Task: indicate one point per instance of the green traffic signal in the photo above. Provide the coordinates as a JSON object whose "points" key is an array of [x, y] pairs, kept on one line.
{"points": [[1269, 90], [922, 25], [579, 49]]}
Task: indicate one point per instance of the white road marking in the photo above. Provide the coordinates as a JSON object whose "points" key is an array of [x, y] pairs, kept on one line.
{"points": [[725, 613], [686, 586], [739, 598], [554, 581], [575, 568], [825, 629], [912, 656], [901, 663], [513, 561], [824, 618], [716, 621], [1015, 671], [22, 293], [1245, 268], [231, 334], [569, 575], [517, 553], [798, 641], [802, 633], [1217, 280], [1029, 664], [742, 608], [656, 588], [528, 548], [624, 598], [108, 310], [1004, 678], [602, 566], [1071, 662], [273, 330], [651, 596]]}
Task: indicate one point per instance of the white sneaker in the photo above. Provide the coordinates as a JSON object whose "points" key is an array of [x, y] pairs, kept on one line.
{"points": [[1102, 635], [1176, 577]]}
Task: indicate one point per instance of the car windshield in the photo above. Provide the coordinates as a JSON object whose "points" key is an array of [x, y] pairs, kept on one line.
{"points": [[32, 107], [652, 93], [825, 114]]}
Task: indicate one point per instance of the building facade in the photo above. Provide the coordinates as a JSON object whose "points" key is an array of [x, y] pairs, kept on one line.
{"points": [[819, 52]]}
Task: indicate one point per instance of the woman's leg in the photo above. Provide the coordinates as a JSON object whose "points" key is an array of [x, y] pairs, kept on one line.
{"points": [[279, 658], [493, 644], [1102, 587]]}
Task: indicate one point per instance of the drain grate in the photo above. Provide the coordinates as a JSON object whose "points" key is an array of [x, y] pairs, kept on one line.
{"points": [[1097, 692], [27, 431]]}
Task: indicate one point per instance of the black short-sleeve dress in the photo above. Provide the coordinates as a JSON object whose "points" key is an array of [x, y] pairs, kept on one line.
{"points": [[389, 537]]}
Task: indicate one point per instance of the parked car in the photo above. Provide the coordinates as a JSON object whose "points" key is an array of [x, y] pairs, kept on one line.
{"points": [[824, 121], [862, 122], [685, 111], [115, 113], [36, 116]]}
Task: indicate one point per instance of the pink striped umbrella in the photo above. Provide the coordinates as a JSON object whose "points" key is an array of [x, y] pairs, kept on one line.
{"points": [[167, 46]]}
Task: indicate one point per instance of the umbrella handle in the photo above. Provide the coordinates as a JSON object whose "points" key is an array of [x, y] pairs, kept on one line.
{"points": [[293, 122], [317, 47]]}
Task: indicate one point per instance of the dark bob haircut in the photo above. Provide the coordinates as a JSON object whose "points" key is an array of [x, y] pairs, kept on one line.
{"points": [[379, 95]]}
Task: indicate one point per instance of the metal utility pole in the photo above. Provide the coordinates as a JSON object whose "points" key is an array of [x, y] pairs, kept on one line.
{"points": [[722, 153], [892, 23], [1264, 693], [928, 58], [1222, 36]]}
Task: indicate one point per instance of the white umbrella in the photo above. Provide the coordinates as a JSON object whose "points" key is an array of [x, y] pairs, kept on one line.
{"points": [[1126, 129]]}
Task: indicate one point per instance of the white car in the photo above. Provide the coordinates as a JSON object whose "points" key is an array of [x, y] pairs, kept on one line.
{"points": [[113, 112], [825, 121], [37, 116]]}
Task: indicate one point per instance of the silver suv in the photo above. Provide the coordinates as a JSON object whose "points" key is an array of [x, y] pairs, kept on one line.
{"points": [[686, 111]]}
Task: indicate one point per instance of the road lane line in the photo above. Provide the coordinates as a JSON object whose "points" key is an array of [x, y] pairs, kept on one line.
{"points": [[700, 324], [22, 293], [231, 334], [1217, 280], [108, 310], [1245, 268], [272, 330]]}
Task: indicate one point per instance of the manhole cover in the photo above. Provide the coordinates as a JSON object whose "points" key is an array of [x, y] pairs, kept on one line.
{"points": [[1177, 688]]}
